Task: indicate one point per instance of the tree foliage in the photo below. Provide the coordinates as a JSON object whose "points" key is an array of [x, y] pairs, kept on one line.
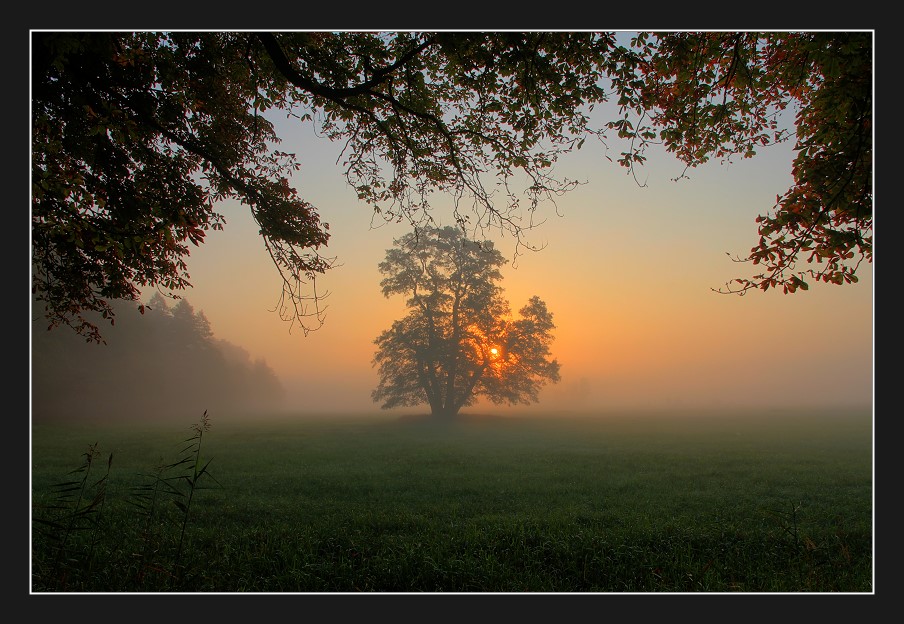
{"points": [[458, 341], [138, 135], [719, 95]]}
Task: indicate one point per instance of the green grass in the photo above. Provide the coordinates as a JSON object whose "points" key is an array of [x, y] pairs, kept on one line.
{"points": [[720, 503]]}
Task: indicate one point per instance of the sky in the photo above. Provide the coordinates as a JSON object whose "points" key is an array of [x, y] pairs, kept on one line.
{"points": [[627, 268]]}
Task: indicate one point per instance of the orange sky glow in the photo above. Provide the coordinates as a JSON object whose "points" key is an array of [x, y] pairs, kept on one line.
{"points": [[627, 271]]}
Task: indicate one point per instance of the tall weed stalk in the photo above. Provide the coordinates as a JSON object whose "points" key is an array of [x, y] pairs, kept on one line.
{"points": [[192, 473], [76, 507]]}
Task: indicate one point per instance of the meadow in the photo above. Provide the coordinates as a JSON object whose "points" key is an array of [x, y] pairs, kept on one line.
{"points": [[774, 501]]}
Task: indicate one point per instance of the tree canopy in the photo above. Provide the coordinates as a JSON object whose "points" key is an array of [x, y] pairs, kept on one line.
{"points": [[458, 341], [138, 135]]}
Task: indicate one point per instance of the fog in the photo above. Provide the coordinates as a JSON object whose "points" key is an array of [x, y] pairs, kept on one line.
{"points": [[168, 365]]}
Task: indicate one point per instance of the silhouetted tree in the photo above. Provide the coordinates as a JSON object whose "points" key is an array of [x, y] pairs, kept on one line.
{"points": [[136, 136], [458, 341]]}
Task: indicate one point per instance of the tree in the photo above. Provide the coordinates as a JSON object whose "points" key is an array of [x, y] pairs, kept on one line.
{"points": [[720, 94], [137, 136], [458, 341]]}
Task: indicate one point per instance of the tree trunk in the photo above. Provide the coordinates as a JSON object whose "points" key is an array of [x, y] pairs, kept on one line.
{"points": [[445, 412]]}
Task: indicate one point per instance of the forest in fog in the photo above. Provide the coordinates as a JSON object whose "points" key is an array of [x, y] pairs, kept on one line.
{"points": [[164, 365]]}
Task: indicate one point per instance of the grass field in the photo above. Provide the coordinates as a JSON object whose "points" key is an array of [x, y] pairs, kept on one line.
{"points": [[630, 503]]}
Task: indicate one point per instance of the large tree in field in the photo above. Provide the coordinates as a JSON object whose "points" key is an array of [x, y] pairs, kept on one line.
{"points": [[459, 340], [138, 135]]}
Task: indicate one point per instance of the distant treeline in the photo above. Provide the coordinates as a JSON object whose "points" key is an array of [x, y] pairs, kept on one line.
{"points": [[165, 364]]}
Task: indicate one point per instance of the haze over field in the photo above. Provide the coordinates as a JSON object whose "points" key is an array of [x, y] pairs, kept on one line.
{"points": [[627, 270]]}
